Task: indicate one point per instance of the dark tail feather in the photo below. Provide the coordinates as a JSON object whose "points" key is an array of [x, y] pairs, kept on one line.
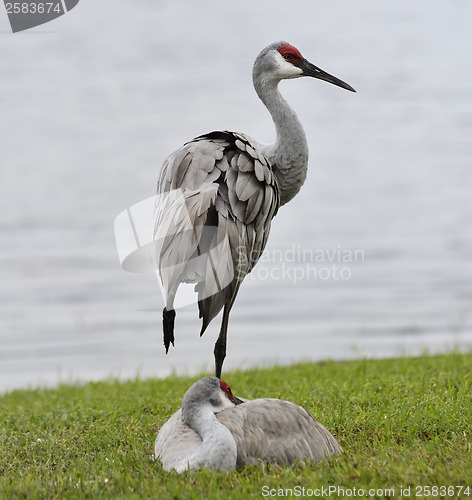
{"points": [[204, 327], [209, 307], [168, 318], [204, 308]]}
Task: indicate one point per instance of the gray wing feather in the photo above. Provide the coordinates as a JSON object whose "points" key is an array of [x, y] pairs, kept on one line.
{"points": [[259, 170], [246, 186], [277, 431], [178, 237]]}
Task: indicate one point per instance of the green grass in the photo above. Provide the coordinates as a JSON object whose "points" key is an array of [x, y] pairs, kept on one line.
{"points": [[402, 422]]}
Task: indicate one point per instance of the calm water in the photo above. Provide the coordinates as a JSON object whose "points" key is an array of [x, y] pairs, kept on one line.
{"points": [[91, 104]]}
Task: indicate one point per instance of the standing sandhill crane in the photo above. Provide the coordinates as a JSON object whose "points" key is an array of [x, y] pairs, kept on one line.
{"points": [[210, 431], [219, 192]]}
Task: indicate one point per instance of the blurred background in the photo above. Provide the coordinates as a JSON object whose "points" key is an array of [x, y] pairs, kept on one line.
{"points": [[93, 102]]}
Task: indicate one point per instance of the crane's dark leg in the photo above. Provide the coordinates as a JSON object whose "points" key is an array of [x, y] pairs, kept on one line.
{"points": [[220, 345], [168, 318]]}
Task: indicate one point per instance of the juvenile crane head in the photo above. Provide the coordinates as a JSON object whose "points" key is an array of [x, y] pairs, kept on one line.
{"points": [[281, 61], [207, 392]]}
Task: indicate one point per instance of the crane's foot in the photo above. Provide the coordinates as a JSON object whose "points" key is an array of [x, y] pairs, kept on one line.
{"points": [[168, 318]]}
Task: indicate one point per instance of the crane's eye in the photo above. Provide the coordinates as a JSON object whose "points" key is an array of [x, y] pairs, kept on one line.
{"points": [[288, 57]]}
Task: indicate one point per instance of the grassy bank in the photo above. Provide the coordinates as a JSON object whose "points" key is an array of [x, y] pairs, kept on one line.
{"points": [[402, 422]]}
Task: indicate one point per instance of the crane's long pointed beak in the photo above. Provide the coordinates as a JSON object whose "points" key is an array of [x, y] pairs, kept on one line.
{"points": [[312, 70], [238, 401]]}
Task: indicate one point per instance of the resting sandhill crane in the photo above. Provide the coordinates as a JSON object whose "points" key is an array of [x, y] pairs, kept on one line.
{"points": [[211, 431], [219, 192]]}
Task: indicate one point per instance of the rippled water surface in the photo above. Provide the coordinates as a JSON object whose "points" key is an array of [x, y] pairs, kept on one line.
{"points": [[373, 258]]}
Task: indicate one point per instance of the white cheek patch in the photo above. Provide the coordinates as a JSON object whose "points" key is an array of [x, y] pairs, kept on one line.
{"points": [[286, 69], [225, 402]]}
